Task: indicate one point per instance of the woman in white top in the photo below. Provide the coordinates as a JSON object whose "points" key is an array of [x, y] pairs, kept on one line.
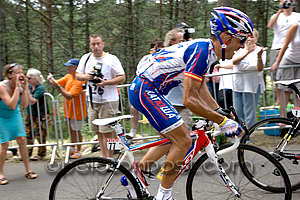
{"points": [[248, 86], [288, 55]]}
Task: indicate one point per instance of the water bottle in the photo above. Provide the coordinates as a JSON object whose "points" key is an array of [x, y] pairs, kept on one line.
{"points": [[160, 173], [128, 186]]}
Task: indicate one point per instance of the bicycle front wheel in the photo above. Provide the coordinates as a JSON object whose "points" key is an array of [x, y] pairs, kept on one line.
{"points": [[270, 138], [204, 182], [86, 177]]}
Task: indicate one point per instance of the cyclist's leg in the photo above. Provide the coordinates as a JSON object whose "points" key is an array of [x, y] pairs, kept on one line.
{"points": [[153, 155], [181, 143], [165, 119]]}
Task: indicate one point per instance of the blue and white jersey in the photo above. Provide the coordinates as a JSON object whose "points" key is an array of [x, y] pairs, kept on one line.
{"points": [[167, 68]]}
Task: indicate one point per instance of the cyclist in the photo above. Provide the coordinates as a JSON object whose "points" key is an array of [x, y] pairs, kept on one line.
{"points": [[186, 62]]}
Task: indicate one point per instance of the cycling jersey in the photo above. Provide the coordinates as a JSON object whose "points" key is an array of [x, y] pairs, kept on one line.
{"points": [[158, 73], [166, 68]]}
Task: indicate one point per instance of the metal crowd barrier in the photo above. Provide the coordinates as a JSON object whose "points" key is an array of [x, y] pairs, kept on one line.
{"points": [[55, 144], [262, 103], [58, 115]]}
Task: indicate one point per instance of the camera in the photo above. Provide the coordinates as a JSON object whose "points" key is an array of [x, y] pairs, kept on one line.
{"points": [[157, 49], [97, 73], [287, 4], [187, 33]]}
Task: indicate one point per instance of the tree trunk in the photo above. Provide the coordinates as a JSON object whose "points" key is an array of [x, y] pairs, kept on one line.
{"points": [[171, 25], [227, 3], [71, 28], [297, 8], [130, 36], [27, 36], [49, 37], [160, 19], [1, 43], [87, 25], [181, 13], [41, 37]]}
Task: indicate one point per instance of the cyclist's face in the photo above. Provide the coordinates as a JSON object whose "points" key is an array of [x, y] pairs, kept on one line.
{"points": [[234, 45]]}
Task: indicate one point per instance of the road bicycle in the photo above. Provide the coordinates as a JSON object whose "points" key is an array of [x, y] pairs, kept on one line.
{"points": [[217, 174], [284, 145]]}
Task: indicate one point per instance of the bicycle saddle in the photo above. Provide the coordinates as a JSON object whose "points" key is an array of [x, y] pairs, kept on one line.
{"points": [[106, 121], [286, 83]]}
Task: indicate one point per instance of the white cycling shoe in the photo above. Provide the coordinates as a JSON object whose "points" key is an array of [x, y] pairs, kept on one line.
{"points": [[130, 135], [170, 198]]}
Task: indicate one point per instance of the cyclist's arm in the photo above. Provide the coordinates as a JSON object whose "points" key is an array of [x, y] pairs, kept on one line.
{"points": [[198, 99]]}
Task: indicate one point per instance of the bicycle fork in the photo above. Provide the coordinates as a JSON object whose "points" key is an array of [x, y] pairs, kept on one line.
{"points": [[217, 163]]}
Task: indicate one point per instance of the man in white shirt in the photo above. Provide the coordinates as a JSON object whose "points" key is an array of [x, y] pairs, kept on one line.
{"points": [[102, 71]]}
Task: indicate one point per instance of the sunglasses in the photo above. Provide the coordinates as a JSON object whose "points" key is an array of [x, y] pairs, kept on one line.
{"points": [[242, 39], [11, 66], [28, 78]]}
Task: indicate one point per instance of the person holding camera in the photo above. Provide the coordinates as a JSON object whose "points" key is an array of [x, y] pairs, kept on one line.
{"points": [[74, 106], [102, 71], [176, 36], [280, 22]]}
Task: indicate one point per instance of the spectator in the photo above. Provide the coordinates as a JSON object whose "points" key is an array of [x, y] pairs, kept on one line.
{"points": [[174, 36], [36, 112], [74, 106], [188, 62], [288, 55], [102, 92], [280, 23], [213, 84], [13, 92], [225, 84], [248, 86], [155, 46], [175, 95]]}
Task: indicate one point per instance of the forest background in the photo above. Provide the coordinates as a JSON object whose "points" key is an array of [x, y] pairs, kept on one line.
{"points": [[44, 34]]}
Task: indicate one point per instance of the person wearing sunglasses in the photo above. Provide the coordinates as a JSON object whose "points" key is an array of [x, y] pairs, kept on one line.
{"points": [[13, 92], [248, 86], [37, 112]]}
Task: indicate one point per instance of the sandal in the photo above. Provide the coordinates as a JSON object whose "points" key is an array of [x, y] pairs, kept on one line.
{"points": [[3, 181], [31, 175], [76, 155]]}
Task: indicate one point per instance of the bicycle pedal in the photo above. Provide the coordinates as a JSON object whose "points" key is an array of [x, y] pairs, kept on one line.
{"points": [[221, 160], [295, 162]]}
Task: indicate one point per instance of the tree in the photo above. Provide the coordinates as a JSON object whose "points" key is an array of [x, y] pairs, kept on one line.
{"points": [[225, 3]]}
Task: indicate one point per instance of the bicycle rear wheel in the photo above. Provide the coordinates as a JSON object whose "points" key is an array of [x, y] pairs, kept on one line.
{"points": [[84, 178], [262, 139], [204, 181]]}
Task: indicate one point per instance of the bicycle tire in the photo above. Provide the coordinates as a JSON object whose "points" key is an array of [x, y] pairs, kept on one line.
{"points": [[269, 142], [204, 182], [84, 178]]}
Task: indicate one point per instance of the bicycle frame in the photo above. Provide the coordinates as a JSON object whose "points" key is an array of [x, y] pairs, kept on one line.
{"points": [[200, 139]]}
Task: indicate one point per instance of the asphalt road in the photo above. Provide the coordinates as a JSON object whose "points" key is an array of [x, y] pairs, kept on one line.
{"points": [[21, 188]]}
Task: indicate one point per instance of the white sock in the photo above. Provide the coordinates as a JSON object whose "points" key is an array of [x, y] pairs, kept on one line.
{"points": [[133, 131], [163, 193]]}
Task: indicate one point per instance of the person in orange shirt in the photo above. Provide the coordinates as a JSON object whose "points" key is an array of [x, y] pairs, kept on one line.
{"points": [[74, 106]]}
